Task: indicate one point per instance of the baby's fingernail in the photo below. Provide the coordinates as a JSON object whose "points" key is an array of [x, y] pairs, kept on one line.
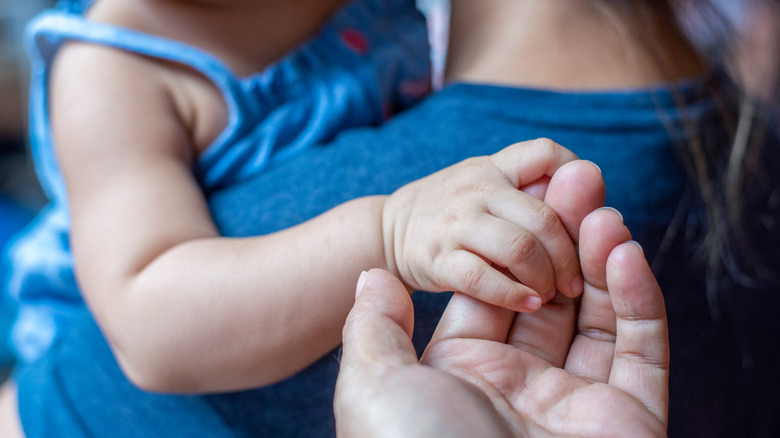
{"points": [[577, 286], [361, 281], [533, 303]]}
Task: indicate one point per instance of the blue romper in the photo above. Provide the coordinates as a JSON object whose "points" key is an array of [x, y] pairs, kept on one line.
{"points": [[370, 61]]}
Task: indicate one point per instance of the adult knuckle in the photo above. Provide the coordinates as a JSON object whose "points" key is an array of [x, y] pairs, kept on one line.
{"points": [[638, 356]]}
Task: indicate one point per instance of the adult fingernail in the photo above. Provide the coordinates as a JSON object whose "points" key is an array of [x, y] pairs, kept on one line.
{"points": [[637, 244], [595, 165], [361, 281], [612, 209]]}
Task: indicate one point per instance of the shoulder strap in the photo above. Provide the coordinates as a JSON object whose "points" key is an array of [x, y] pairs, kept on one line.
{"points": [[49, 30]]}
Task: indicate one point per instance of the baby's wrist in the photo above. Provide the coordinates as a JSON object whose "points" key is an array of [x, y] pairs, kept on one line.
{"points": [[387, 231], [392, 229]]}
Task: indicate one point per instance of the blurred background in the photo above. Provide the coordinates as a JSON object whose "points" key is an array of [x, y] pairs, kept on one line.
{"points": [[20, 196]]}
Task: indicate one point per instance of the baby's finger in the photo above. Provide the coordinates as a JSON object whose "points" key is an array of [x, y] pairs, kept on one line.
{"points": [[511, 246], [539, 219], [528, 161], [470, 274]]}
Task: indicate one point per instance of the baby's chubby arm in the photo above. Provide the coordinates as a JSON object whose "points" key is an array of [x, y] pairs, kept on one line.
{"points": [[186, 310]]}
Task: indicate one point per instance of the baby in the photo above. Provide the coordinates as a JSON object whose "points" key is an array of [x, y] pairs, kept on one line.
{"points": [[142, 107]]}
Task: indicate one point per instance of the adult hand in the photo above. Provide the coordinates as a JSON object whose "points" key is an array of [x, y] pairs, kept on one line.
{"points": [[600, 370]]}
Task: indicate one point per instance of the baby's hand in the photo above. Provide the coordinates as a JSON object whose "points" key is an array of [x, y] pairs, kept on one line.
{"points": [[468, 228]]}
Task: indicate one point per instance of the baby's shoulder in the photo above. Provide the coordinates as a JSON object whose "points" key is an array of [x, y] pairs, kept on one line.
{"points": [[106, 83], [95, 72]]}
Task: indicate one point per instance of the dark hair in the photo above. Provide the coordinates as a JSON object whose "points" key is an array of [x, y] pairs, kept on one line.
{"points": [[735, 177]]}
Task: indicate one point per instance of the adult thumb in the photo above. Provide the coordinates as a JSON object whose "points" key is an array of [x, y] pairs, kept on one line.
{"points": [[380, 324]]}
